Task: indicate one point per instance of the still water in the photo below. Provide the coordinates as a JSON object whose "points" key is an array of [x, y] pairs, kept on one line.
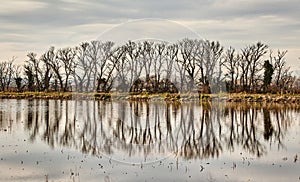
{"points": [[54, 140]]}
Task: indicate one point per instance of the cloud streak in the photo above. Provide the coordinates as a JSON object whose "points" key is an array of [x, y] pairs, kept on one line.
{"points": [[35, 25]]}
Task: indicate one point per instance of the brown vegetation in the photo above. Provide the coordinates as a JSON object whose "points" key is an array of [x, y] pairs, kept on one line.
{"points": [[169, 97]]}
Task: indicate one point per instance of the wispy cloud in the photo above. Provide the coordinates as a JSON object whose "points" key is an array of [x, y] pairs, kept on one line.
{"points": [[19, 6], [35, 25]]}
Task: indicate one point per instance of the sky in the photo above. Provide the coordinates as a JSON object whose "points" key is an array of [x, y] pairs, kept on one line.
{"points": [[33, 26]]}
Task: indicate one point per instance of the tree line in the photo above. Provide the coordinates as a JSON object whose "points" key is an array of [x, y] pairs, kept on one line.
{"points": [[185, 66]]}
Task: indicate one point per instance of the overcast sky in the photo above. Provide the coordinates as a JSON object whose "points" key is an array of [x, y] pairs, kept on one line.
{"points": [[34, 26]]}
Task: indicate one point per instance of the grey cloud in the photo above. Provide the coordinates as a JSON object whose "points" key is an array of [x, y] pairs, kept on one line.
{"points": [[66, 13], [69, 21]]}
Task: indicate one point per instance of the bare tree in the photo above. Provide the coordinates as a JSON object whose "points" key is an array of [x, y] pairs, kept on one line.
{"points": [[188, 48], [63, 66], [210, 65], [6, 74], [146, 56], [252, 65], [45, 70], [56, 66], [232, 68], [287, 80], [29, 75], [93, 54], [84, 68], [283, 78], [99, 65], [107, 66], [158, 59], [34, 62], [181, 71], [17, 77], [66, 58], [135, 66], [122, 69], [244, 69], [171, 57]]}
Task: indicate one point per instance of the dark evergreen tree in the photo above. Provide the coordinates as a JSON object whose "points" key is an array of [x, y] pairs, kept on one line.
{"points": [[30, 77], [268, 73], [18, 81]]}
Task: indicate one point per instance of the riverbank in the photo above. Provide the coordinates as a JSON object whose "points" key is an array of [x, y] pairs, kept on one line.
{"points": [[185, 97]]}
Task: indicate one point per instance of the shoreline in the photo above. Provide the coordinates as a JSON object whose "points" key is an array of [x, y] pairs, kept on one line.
{"points": [[184, 97]]}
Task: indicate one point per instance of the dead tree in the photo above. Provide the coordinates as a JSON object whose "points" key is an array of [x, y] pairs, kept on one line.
{"points": [[46, 72], [17, 77], [66, 58], [84, 68], [135, 66], [159, 59], [182, 75], [283, 78], [93, 54], [36, 67], [6, 74], [122, 70], [102, 64], [56, 66], [171, 58], [29, 76], [105, 65], [232, 69], [63, 66], [106, 77], [188, 48], [146, 56], [251, 56], [210, 65]]}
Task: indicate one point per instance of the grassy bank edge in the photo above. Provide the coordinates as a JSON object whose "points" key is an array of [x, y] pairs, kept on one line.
{"points": [[235, 97]]}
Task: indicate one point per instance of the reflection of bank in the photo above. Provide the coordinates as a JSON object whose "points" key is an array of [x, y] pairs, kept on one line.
{"points": [[141, 132]]}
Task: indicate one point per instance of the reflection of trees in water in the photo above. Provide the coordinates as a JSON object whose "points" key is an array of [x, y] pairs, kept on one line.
{"points": [[279, 122], [201, 135], [190, 130], [244, 129]]}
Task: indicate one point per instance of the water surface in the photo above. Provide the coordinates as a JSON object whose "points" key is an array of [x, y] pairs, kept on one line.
{"points": [[54, 140]]}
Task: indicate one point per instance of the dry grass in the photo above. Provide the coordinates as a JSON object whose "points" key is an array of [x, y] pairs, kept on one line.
{"points": [[235, 97]]}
